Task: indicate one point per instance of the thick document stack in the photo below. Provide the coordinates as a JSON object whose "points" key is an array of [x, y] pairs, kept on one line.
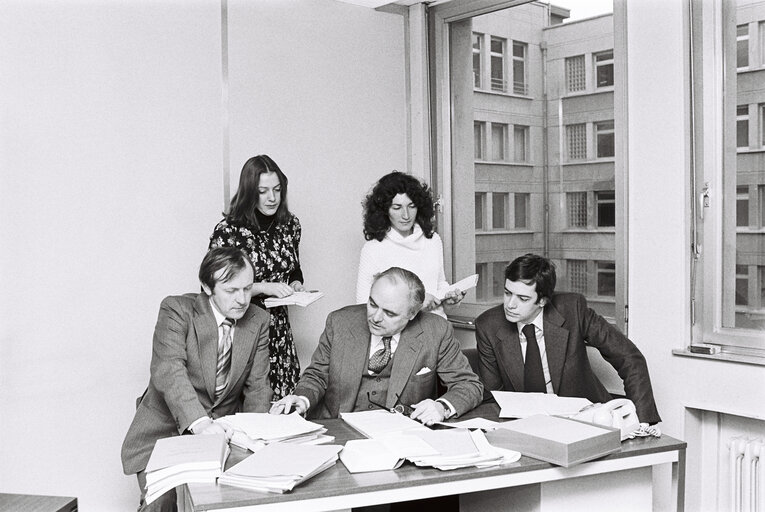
{"points": [[254, 430], [184, 459], [279, 467], [460, 448], [521, 405], [561, 441], [302, 299]]}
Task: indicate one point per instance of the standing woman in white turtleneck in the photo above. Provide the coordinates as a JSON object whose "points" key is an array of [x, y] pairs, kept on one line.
{"points": [[398, 226]]}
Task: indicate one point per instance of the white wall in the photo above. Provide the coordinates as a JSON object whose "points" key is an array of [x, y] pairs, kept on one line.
{"points": [[111, 182]]}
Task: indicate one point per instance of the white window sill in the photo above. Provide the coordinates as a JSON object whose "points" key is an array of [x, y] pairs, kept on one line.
{"points": [[589, 92], [722, 356], [590, 161], [505, 94]]}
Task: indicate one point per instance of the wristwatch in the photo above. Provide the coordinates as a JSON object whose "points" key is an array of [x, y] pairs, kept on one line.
{"points": [[447, 409]]}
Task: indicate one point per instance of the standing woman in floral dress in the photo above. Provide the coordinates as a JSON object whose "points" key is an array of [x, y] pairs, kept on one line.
{"points": [[259, 223]]}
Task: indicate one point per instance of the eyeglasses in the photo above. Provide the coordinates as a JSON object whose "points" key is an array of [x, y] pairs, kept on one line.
{"points": [[399, 407]]}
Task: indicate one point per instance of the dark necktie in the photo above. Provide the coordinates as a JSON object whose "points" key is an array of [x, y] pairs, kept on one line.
{"points": [[380, 358], [533, 376], [224, 358]]}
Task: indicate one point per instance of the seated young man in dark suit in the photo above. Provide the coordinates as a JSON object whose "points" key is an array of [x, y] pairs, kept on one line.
{"points": [[536, 342]]}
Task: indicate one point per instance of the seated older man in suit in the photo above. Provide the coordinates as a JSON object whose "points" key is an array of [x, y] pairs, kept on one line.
{"points": [[536, 342], [209, 359], [386, 352]]}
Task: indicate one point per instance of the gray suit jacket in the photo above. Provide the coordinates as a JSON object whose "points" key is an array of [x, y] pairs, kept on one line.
{"points": [[569, 326], [332, 380], [182, 381]]}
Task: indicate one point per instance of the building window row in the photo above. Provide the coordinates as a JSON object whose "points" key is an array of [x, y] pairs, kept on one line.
{"points": [[500, 148], [506, 210], [507, 72], [602, 74]]}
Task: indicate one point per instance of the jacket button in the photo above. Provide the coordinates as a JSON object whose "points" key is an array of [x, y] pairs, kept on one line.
{"points": [[370, 406]]}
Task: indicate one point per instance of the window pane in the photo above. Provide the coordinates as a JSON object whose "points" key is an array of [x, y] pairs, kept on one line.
{"points": [[742, 126], [576, 203], [606, 278], [577, 275], [478, 140], [742, 206], [498, 65], [480, 203], [482, 269], [498, 279], [498, 209], [519, 68], [520, 135], [575, 75], [606, 208], [498, 143], [577, 141], [742, 285], [521, 210], [605, 139], [604, 69], [742, 46], [477, 60]]}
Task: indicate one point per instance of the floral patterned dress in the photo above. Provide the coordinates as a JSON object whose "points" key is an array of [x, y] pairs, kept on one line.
{"points": [[274, 253]]}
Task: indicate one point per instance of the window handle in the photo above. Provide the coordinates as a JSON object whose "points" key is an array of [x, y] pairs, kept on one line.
{"points": [[704, 199]]}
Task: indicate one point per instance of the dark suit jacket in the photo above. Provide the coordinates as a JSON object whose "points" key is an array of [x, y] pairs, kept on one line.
{"points": [[182, 381], [569, 325], [332, 380]]}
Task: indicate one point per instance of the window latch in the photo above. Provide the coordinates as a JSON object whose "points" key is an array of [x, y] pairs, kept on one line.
{"points": [[704, 199], [438, 204]]}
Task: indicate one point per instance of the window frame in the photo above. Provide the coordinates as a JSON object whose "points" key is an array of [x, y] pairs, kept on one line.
{"points": [[447, 147], [502, 56], [715, 148], [605, 63]]}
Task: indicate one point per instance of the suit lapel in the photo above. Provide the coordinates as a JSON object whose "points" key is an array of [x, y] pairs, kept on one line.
{"points": [[356, 347], [409, 346], [509, 351], [207, 340], [556, 344]]}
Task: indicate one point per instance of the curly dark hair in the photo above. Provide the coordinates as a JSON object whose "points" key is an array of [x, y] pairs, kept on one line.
{"points": [[377, 204]]}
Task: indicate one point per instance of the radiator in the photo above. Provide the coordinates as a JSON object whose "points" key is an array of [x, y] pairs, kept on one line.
{"points": [[747, 475]]}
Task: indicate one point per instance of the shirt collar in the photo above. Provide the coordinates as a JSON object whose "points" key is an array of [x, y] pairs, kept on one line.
{"points": [[218, 316], [538, 322]]}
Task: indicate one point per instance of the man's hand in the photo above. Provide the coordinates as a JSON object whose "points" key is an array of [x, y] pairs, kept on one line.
{"points": [[428, 412], [297, 286], [278, 290], [289, 403], [454, 297], [209, 426]]}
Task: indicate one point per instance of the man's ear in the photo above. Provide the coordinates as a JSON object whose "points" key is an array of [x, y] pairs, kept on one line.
{"points": [[207, 290], [542, 302]]}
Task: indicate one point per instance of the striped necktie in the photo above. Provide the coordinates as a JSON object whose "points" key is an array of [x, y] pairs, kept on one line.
{"points": [[224, 358]]}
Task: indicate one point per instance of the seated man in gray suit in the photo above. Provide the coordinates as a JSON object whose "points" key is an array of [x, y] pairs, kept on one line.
{"points": [[386, 352], [536, 342], [209, 359]]}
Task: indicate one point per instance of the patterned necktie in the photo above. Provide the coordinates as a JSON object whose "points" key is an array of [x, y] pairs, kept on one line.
{"points": [[533, 376], [379, 360], [224, 358]]}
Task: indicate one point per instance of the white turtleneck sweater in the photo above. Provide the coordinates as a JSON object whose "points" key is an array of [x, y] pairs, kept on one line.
{"points": [[421, 255]]}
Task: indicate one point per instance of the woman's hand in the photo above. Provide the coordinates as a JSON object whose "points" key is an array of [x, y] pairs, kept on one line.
{"points": [[454, 297], [297, 286], [277, 290], [430, 303]]}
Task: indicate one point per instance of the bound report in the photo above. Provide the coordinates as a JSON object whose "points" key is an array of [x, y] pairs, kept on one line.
{"points": [[302, 299], [184, 459]]}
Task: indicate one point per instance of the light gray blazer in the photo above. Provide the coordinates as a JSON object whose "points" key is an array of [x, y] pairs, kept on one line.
{"points": [[182, 381]]}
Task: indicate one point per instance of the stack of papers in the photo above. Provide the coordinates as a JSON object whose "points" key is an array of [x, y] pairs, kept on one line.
{"points": [[460, 448], [253, 430], [296, 299], [378, 423], [522, 405], [184, 459], [462, 285], [280, 467]]}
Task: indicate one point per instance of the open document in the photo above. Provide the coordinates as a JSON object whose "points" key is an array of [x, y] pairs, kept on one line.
{"points": [[462, 285], [302, 299], [520, 405], [378, 423]]}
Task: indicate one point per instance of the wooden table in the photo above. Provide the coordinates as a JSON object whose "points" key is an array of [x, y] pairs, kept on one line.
{"points": [[528, 484]]}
